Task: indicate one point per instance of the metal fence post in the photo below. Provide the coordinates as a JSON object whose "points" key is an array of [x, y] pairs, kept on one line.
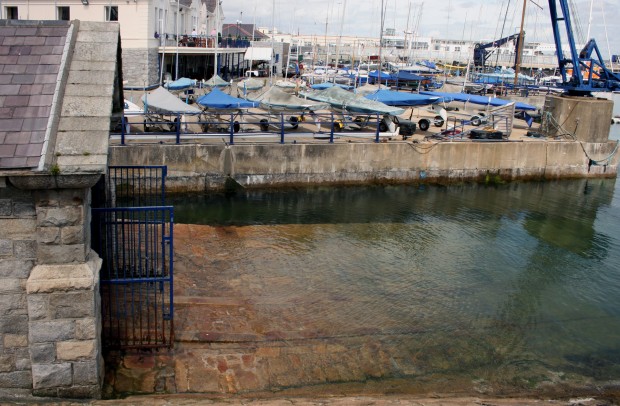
{"points": [[178, 128], [281, 128], [123, 129], [331, 133], [378, 127], [232, 129]]}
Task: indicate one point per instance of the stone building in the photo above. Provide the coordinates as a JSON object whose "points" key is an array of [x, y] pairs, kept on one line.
{"points": [[60, 82], [149, 29]]}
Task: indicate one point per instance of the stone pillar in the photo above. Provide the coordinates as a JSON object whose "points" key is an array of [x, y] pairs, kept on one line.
{"points": [[63, 299], [65, 330], [586, 118], [17, 258]]}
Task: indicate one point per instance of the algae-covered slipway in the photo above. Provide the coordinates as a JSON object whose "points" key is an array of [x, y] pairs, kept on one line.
{"points": [[204, 165]]}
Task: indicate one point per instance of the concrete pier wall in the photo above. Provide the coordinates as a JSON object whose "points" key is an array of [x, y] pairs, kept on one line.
{"points": [[201, 167]]}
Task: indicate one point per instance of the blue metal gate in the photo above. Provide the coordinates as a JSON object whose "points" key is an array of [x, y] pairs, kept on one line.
{"points": [[133, 234]]}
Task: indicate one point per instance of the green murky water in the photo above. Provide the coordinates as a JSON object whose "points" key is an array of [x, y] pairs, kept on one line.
{"points": [[516, 285]]}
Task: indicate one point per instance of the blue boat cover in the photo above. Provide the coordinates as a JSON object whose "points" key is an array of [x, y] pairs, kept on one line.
{"points": [[218, 100], [392, 98], [327, 85], [404, 75], [180, 84], [483, 100], [384, 75]]}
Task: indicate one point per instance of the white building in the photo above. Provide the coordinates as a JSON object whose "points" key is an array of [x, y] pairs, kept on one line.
{"points": [[146, 26]]}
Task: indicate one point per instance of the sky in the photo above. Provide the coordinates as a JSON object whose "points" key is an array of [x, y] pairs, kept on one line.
{"points": [[476, 20]]}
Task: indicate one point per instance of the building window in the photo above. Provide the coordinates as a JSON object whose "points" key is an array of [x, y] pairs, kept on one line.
{"points": [[63, 13], [111, 13], [11, 13]]}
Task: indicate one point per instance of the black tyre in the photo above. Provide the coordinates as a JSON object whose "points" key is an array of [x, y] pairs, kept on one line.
{"points": [[424, 124], [438, 121], [475, 121], [264, 125], [236, 126], [294, 121], [383, 127]]}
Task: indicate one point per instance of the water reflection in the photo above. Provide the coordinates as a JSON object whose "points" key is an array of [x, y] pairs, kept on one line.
{"points": [[509, 287]]}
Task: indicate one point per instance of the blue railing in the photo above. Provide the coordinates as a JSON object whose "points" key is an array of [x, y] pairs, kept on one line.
{"points": [[133, 234], [279, 127], [136, 244]]}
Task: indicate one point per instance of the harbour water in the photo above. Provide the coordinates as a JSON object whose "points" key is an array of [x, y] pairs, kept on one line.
{"points": [[499, 288]]}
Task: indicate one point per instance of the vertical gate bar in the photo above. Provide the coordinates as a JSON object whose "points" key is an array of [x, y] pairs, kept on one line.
{"points": [[171, 273], [137, 312]]}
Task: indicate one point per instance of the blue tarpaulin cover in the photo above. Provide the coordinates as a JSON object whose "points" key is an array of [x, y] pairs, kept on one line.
{"points": [[384, 75], [392, 98], [483, 100], [180, 84], [218, 100], [404, 75], [327, 85]]}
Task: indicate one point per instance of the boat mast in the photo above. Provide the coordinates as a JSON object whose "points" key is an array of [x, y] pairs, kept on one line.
{"points": [[590, 20], [381, 42], [611, 62], [217, 35], [176, 38], [344, 6], [253, 31], [163, 35], [521, 41], [273, 32], [407, 28], [520, 45]]}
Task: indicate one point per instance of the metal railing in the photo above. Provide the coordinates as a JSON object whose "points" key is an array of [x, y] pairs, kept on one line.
{"points": [[278, 127], [133, 234], [136, 277]]}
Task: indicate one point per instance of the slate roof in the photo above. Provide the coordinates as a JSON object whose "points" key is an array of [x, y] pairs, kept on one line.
{"points": [[60, 90], [30, 60], [243, 31], [210, 5]]}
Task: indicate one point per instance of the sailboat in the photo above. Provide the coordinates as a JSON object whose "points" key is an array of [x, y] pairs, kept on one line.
{"points": [[216, 80]]}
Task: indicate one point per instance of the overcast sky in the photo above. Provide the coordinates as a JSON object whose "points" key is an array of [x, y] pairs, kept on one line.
{"points": [[454, 19]]}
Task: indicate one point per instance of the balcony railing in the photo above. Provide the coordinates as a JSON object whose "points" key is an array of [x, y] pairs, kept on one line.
{"points": [[202, 41]]}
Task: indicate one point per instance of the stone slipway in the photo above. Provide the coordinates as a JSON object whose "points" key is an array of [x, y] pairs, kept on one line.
{"points": [[202, 167]]}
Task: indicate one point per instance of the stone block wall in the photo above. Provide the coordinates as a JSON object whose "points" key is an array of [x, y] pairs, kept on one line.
{"points": [[140, 66], [50, 324], [17, 258], [64, 330]]}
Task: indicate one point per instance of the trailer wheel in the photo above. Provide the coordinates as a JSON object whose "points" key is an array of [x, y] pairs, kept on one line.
{"points": [[438, 121], [294, 121], [264, 124], [475, 121], [383, 127], [424, 124]]}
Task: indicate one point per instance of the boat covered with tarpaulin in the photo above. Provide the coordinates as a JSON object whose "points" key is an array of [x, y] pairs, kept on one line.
{"points": [[392, 98], [481, 100], [327, 85], [275, 98], [343, 100], [180, 84], [218, 100], [163, 102], [405, 76], [216, 81], [250, 84]]}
